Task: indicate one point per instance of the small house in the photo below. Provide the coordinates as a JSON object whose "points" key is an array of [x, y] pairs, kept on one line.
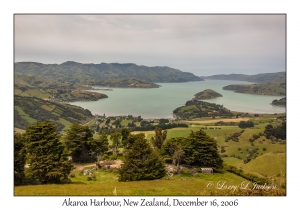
{"points": [[207, 170]]}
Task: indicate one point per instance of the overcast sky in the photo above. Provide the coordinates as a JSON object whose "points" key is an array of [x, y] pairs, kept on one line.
{"points": [[201, 44]]}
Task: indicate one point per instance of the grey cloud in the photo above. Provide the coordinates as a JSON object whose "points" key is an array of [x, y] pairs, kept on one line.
{"points": [[187, 42]]}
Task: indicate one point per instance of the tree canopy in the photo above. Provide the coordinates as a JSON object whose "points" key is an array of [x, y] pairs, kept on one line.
{"points": [[141, 162], [78, 142], [45, 154], [158, 139], [197, 149]]}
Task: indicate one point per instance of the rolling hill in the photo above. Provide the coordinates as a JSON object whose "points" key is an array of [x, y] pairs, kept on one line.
{"points": [[207, 94], [276, 88], [79, 73], [257, 78], [28, 110]]}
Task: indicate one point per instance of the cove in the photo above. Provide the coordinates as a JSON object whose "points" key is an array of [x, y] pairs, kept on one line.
{"points": [[155, 103]]}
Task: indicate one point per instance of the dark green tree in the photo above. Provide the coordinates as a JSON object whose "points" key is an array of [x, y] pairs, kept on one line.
{"points": [[116, 141], [125, 133], [78, 142], [45, 154], [197, 149], [129, 141], [141, 163], [158, 139], [203, 151], [19, 158], [99, 146]]}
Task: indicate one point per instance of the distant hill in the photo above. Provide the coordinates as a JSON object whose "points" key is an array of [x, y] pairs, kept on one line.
{"points": [[207, 94], [257, 78], [28, 110], [55, 91], [280, 102], [129, 82], [78, 73], [276, 88], [197, 109]]}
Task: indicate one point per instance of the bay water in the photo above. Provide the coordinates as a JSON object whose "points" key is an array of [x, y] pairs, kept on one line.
{"points": [[156, 103]]}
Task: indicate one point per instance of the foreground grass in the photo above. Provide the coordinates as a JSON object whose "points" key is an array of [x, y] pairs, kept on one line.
{"points": [[180, 185]]}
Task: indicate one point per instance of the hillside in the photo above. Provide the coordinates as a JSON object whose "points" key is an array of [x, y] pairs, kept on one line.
{"points": [[130, 82], [197, 109], [257, 78], [280, 102], [79, 73], [51, 90], [207, 94], [276, 88], [28, 110]]}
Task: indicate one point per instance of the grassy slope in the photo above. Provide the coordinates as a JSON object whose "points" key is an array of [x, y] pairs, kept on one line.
{"points": [[107, 182]]}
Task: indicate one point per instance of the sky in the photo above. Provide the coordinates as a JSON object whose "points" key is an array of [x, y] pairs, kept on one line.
{"points": [[202, 44]]}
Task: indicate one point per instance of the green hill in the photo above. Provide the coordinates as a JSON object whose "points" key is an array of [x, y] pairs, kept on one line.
{"points": [[280, 102], [74, 72], [276, 88], [207, 94], [28, 110], [197, 109], [257, 78], [128, 82]]}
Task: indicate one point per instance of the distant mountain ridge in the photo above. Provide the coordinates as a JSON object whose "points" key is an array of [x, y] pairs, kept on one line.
{"points": [[257, 78], [74, 72]]}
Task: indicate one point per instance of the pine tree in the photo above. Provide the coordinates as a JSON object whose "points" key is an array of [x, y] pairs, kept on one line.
{"points": [[203, 150], [19, 158], [141, 163], [45, 154], [158, 139], [99, 146], [78, 142]]}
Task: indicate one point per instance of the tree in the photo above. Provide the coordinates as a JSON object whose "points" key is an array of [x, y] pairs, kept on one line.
{"points": [[141, 163], [129, 141], [203, 150], [45, 154], [116, 141], [247, 124], [78, 142], [197, 149], [159, 138], [99, 146], [19, 158]]}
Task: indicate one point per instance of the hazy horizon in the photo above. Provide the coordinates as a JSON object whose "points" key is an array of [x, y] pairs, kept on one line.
{"points": [[201, 44]]}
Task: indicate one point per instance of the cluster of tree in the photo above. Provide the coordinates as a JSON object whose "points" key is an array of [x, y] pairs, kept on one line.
{"points": [[81, 145], [251, 155], [279, 132], [40, 147], [145, 126], [255, 137], [197, 149], [246, 124], [50, 155], [150, 127], [222, 123], [235, 136], [201, 109]]}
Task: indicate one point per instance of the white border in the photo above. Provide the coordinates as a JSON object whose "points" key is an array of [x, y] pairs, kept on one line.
{"points": [[8, 8]]}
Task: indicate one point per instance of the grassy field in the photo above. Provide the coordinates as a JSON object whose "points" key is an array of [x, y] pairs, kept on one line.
{"points": [[270, 163], [106, 182]]}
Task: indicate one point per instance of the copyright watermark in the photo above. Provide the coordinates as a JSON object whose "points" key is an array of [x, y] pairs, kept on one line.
{"points": [[245, 185]]}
